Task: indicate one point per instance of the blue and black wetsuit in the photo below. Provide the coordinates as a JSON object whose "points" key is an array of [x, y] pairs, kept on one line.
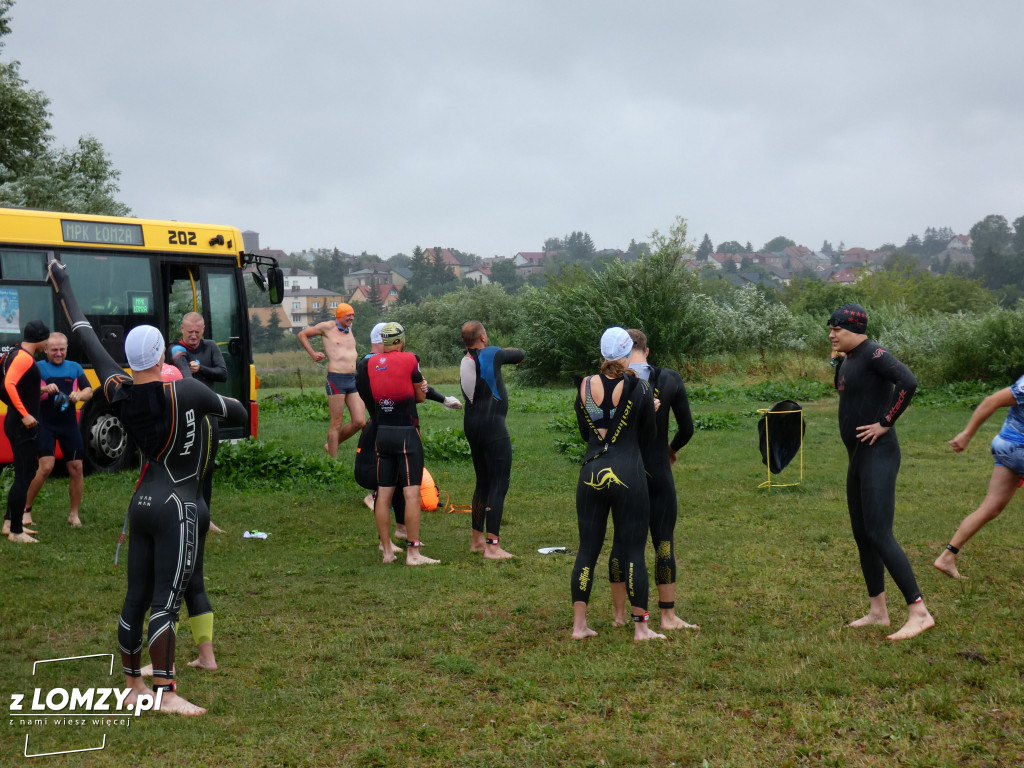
{"points": [[875, 387], [667, 386], [612, 480], [167, 422], [484, 423]]}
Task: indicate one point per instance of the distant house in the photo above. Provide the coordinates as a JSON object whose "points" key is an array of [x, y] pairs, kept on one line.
{"points": [[959, 243], [387, 294], [529, 262], [843, 276], [265, 313], [448, 258], [377, 274], [305, 305], [299, 278], [479, 274]]}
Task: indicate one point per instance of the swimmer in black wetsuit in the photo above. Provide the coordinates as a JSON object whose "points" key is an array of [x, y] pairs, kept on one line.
{"points": [[167, 422], [489, 441], [659, 456], [615, 415], [874, 389]]}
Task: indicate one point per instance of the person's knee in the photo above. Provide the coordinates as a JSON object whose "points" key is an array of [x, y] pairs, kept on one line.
{"points": [[46, 464], [75, 470]]}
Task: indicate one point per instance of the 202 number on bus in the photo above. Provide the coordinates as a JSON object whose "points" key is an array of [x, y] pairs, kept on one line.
{"points": [[180, 237]]}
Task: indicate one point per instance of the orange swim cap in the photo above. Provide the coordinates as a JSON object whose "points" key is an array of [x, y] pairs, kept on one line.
{"points": [[342, 310]]}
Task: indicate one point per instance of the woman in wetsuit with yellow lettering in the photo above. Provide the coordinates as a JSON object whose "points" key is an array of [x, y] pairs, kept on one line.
{"points": [[167, 423], [615, 415]]}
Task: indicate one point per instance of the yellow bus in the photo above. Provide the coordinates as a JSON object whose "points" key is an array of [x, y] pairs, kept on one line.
{"points": [[129, 272]]}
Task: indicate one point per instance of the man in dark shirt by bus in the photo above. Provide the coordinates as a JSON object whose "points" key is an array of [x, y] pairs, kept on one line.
{"points": [[21, 395]]}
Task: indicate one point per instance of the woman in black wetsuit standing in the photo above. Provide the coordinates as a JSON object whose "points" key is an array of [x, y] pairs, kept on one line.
{"points": [[167, 423], [615, 414]]}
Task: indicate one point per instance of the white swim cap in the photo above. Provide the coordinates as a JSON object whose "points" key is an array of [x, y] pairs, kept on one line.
{"points": [[144, 347], [375, 337], [616, 344]]}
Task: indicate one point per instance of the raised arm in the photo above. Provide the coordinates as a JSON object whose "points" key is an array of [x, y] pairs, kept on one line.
{"points": [[107, 370], [1001, 399]]}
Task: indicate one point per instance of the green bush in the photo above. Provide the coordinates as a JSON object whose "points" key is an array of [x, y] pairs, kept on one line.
{"points": [[249, 464]]}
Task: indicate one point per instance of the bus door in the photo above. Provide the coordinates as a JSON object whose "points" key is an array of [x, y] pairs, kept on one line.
{"points": [[213, 292]]}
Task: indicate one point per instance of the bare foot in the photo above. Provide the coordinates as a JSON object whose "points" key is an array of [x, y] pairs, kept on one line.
{"points": [[7, 527], [401, 532], [389, 552], [915, 626], [394, 547], [477, 543], [644, 632], [495, 552], [27, 520], [946, 562], [215, 528], [669, 620], [869, 620], [368, 501], [582, 633], [619, 621], [30, 531], [75, 521], [173, 704], [22, 538], [200, 664], [415, 558]]}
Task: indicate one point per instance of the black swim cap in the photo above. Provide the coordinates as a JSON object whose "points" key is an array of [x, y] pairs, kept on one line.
{"points": [[852, 317]]}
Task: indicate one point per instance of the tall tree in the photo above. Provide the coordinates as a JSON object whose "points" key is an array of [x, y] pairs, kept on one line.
{"points": [[777, 244], [33, 173], [705, 249], [730, 246]]}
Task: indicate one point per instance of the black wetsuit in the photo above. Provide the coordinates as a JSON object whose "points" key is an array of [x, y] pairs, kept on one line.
{"points": [[668, 387], [484, 423], [365, 465], [167, 423], [875, 387], [24, 440], [612, 479]]}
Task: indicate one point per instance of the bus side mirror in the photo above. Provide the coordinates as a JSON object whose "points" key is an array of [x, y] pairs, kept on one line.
{"points": [[275, 283]]}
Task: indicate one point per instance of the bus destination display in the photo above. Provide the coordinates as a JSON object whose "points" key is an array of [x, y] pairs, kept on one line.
{"points": [[101, 233]]}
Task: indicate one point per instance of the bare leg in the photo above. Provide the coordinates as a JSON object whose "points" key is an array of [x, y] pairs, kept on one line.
{"points": [[356, 415], [580, 630], [336, 409], [206, 658], [618, 603], [42, 474], [76, 486], [382, 517], [1001, 488], [476, 544], [919, 621], [412, 527], [877, 614], [669, 620], [401, 532]]}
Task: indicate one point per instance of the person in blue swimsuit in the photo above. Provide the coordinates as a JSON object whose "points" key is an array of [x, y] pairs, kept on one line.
{"points": [[1007, 474], [63, 385], [484, 424]]}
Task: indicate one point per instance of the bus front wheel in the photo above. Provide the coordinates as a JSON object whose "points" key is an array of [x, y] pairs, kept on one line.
{"points": [[108, 448]]}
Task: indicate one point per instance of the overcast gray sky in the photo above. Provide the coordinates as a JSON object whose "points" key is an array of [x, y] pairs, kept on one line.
{"points": [[491, 126]]}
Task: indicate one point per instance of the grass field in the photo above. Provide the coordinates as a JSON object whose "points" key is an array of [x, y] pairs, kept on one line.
{"points": [[329, 657]]}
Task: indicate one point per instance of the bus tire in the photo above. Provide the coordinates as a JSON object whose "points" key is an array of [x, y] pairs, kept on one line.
{"points": [[108, 447]]}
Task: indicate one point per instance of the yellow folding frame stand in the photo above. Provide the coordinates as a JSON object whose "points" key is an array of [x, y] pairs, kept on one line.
{"points": [[768, 413]]}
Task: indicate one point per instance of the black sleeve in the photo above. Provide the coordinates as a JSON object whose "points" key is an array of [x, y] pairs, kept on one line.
{"points": [[217, 370], [433, 394], [582, 422], [110, 374], [510, 355], [684, 419], [904, 384]]}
